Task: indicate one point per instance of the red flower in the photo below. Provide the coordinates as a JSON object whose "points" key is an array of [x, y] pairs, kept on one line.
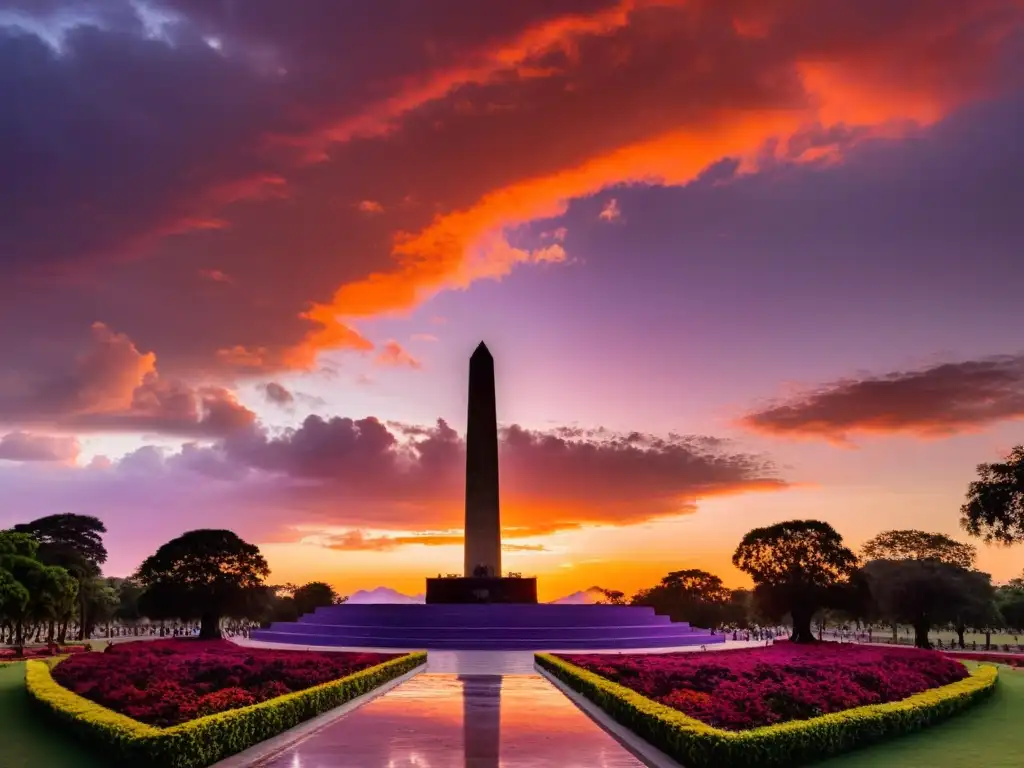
{"points": [[166, 682], [747, 688]]}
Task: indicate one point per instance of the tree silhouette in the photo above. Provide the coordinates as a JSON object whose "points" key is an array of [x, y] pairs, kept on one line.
{"points": [[798, 567], [692, 595], [74, 543], [919, 545], [926, 593], [204, 574], [314, 595], [994, 510]]}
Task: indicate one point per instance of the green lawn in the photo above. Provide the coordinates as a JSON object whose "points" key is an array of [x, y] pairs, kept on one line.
{"points": [[947, 637], [988, 735], [28, 741]]}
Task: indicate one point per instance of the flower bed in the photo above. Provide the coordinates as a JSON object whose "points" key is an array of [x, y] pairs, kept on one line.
{"points": [[40, 651], [748, 688], [167, 682], [785, 745], [1012, 659]]}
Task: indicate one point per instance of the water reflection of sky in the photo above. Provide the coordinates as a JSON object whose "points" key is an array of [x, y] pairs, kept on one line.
{"points": [[473, 721]]}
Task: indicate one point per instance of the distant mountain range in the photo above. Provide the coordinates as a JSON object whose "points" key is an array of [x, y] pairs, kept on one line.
{"points": [[384, 595], [583, 597], [394, 597]]}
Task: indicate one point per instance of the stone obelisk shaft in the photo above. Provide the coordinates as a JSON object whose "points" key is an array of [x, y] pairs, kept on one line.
{"points": [[483, 518]]}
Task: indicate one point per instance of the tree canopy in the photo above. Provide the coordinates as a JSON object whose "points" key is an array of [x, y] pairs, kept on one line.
{"points": [[926, 593], [74, 542], [919, 545], [692, 595], [314, 595], [205, 574], [30, 590], [798, 567], [994, 510]]}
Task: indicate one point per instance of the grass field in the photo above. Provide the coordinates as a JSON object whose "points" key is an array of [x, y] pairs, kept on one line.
{"points": [[988, 736], [28, 741]]}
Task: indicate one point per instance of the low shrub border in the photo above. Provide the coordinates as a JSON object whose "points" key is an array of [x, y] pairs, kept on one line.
{"points": [[699, 745], [991, 658], [206, 740]]}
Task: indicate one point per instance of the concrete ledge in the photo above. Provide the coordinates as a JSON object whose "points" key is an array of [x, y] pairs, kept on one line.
{"points": [[648, 754], [262, 753]]}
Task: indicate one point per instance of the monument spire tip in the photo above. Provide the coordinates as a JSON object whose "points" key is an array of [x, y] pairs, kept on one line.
{"points": [[481, 349]]}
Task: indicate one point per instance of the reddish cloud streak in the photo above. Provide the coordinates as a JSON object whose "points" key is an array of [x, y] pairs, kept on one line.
{"points": [[933, 402], [22, 446], [395, 355], [112, 386], [650, 92]]}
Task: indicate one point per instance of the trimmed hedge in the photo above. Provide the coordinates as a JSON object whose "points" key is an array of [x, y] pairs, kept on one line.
{"points": [[206, 740], [699, 745]]}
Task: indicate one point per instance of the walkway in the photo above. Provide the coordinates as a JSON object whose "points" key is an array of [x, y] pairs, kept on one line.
{"points": [[468, 709], [470, 721]]}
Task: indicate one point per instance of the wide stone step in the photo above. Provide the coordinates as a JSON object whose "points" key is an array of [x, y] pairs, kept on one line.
{"points": [[539, 615], [525, 632], [564, 642]]}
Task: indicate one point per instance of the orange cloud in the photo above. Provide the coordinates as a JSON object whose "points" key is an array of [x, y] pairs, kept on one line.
{"points": [[369, 206], [610, 211], [933, 402], [393, 354], [863, 83], [112, 386], [214, 275], [22, 446]]}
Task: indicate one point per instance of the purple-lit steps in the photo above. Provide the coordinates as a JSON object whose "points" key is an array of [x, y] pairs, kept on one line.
{"points": [[498, 627]]}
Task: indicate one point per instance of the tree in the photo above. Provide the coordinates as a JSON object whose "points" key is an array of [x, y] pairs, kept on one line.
{"points": [[67, 534], [919, 545], [32, 591], [314, 595], [994, 510], [75, 543], [128, 593], [1010, 602], [798, 567], [205, 574], [611, 597], [926, 593], [692, 595]]}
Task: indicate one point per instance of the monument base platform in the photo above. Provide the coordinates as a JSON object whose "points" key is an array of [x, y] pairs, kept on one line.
{"points": [[481, 589]]}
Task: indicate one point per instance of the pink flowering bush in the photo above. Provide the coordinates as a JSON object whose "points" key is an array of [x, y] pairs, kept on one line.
{"points": [[40, 651], [166, 682], [747, 688]]}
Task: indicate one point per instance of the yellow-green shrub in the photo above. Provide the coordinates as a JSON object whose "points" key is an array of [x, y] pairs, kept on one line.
{"points": [[205, 740], [699, 745]]}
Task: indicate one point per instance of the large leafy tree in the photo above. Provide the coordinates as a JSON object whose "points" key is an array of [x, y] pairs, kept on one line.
{"points": [[994, 509], [926, 593], [904, 545], [798, 567], [692, 595], [74, 543], [1010, 601], [30, 590], [205, 574], [314, 595], [919, 545]]}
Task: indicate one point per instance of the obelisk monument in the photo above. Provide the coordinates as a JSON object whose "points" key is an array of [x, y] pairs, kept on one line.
{"points": [[483, 518]]}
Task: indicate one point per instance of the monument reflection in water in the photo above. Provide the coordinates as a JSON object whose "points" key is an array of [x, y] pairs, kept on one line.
{"points": [[481, 719], [485, 609]]}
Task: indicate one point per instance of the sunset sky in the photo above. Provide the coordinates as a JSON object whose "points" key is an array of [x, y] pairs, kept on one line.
{"points": [[738, 261]]}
